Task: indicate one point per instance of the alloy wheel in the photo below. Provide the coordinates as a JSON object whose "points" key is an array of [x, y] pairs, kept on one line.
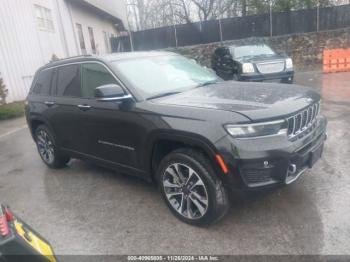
{"points": [[45, 146], [185, 191]]}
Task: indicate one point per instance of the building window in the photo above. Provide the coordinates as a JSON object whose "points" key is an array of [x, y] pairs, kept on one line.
{"points": [[44, 18], [81, 39], [106, 37], [92, 40]]}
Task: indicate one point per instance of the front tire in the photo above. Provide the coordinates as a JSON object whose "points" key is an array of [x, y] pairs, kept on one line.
{"points": [[47, 148], [191, 189]]}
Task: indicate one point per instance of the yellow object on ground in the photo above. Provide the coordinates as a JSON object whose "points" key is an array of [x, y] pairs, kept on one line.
{"points": [[38, 244]]}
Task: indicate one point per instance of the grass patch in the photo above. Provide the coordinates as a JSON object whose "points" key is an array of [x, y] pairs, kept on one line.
{"points": [[11, 110]]}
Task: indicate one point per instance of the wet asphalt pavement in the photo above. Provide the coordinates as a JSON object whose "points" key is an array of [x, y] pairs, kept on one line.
{"points": [[85, 209]]}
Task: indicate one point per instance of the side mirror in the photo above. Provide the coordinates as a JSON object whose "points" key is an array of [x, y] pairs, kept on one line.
{"points": [[111, 92]]}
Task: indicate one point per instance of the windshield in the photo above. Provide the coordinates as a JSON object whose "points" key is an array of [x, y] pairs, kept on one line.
{"points": [[251, 50], [161, 75]]}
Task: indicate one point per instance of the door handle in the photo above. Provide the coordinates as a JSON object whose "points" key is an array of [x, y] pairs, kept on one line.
{"points": [[84, 107], [49, 103]]}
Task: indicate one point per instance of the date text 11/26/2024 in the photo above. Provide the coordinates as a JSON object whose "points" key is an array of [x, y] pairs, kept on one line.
{"points": [[173, 258]]}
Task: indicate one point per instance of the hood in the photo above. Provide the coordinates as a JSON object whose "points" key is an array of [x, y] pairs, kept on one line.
{"points": [[257, 59], [257, 101]]}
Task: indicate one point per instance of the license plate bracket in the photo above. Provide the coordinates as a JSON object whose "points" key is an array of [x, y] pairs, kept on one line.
{"points": [[315, 155]]}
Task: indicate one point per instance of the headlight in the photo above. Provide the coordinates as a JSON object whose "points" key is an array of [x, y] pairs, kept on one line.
{"points": [[257, 130], [289, 63], [247, 68]]}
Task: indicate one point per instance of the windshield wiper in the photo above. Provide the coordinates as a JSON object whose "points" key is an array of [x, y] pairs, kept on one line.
{"points": [[207, 83], [162, 95]]}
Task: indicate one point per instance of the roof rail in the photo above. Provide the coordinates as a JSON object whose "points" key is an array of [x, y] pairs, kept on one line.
{"points": [[69, 58]]}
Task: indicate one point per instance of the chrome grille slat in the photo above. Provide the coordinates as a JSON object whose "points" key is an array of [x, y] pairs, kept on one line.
{"points": [[303, 120], [309, 115], [271, 67], [293, 130], [298, 120]]}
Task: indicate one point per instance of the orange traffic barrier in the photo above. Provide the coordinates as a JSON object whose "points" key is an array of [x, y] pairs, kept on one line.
{"points": [[336, 60]]}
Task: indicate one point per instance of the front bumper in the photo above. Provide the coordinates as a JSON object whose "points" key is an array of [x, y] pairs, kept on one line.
{"points": [[285, 77], [270, 161]]}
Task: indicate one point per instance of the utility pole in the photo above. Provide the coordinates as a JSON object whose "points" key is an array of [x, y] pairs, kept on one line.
{"points": [[173, 18], [129, 32], [271, 18], [318, 16]]}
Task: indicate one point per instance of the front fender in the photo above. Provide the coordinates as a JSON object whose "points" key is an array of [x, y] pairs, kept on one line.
{"points": [[187, 138]]}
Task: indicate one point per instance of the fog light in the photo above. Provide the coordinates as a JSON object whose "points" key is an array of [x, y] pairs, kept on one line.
{"points": [[292, 169]]}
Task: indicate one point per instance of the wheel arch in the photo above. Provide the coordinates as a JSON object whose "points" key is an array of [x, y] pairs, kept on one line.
{"points": [[161, 144], [36, 121]]}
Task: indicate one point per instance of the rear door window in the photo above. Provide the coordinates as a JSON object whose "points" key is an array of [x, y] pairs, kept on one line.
{"points": [[94, 75], [43, 83], [68, 81]]}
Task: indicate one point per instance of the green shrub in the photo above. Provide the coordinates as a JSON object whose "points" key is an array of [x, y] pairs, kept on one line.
{"points": [[11, 110], [3, 92]]}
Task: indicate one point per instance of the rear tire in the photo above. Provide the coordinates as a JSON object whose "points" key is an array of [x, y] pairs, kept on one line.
{"points": [[47, 148], [191, 189]]}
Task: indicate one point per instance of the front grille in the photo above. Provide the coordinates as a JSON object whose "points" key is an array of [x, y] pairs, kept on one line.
{"points": [[271, 67], [303, 120], [255, 176]]}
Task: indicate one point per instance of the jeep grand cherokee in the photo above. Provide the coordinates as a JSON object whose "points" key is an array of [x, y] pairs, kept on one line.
{"points": [[164, 118]]}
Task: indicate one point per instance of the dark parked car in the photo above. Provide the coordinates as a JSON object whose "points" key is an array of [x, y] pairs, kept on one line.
{"points": [[164, 118], [252, 63]]}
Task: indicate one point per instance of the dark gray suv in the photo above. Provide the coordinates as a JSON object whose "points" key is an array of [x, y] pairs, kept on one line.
{"points": [[164, 118]]}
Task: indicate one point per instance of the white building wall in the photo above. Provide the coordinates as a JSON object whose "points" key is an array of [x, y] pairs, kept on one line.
{"points": [[24, 47], [116, 8], [87, 18]]}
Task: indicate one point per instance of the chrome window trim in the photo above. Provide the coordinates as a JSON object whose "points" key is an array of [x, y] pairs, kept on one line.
{"points": [[92, 62], [117, 98]]}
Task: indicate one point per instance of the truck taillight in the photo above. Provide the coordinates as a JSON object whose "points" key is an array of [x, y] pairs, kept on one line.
{"points": [[4, 228], [5, 217], [9, 215]]}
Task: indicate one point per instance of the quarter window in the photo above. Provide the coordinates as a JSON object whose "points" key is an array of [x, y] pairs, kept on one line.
{"points": [[43, 83], [68, 81], [94, 75], [44, 18]]}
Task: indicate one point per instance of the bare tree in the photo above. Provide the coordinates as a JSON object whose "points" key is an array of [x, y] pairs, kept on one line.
{"points": [[212, 9], [146, 14]]}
